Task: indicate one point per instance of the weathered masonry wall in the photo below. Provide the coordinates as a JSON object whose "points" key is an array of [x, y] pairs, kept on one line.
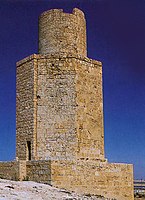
{"points": [[39, 171], [13, 170], [110, 180], [69, 111], [89, 110], [56, 124], [61, 32], [113, 181], [26, 108], [66, 106], [9, 170]]}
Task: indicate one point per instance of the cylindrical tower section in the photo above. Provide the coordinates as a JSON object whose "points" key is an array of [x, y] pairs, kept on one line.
{"points": [[61, 32]]}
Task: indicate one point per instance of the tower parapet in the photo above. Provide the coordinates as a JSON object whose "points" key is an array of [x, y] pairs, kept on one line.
{"points": [[61, 32]]}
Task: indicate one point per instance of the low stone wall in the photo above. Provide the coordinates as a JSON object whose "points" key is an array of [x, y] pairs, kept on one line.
{"points": [[38, 171], [110, 180], [100, 178], [9, 170]]}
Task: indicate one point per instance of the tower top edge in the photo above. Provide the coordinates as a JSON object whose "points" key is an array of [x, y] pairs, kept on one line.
{"points": [[75, 11]]}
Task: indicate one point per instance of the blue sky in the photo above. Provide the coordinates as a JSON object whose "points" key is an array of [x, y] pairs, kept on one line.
{"points": [[116, 36]]}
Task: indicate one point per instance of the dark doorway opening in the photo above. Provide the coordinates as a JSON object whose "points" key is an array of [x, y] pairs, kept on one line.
{"points": [[29, 150]]}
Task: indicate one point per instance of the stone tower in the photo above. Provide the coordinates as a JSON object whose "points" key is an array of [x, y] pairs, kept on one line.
{"points": [[59, 94], [59, 115]]}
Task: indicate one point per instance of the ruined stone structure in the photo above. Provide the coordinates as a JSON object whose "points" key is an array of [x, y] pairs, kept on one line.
{"points": [[59, 136]]}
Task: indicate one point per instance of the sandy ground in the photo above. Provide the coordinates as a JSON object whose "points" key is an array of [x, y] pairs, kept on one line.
{"points": [[28, 190]]}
